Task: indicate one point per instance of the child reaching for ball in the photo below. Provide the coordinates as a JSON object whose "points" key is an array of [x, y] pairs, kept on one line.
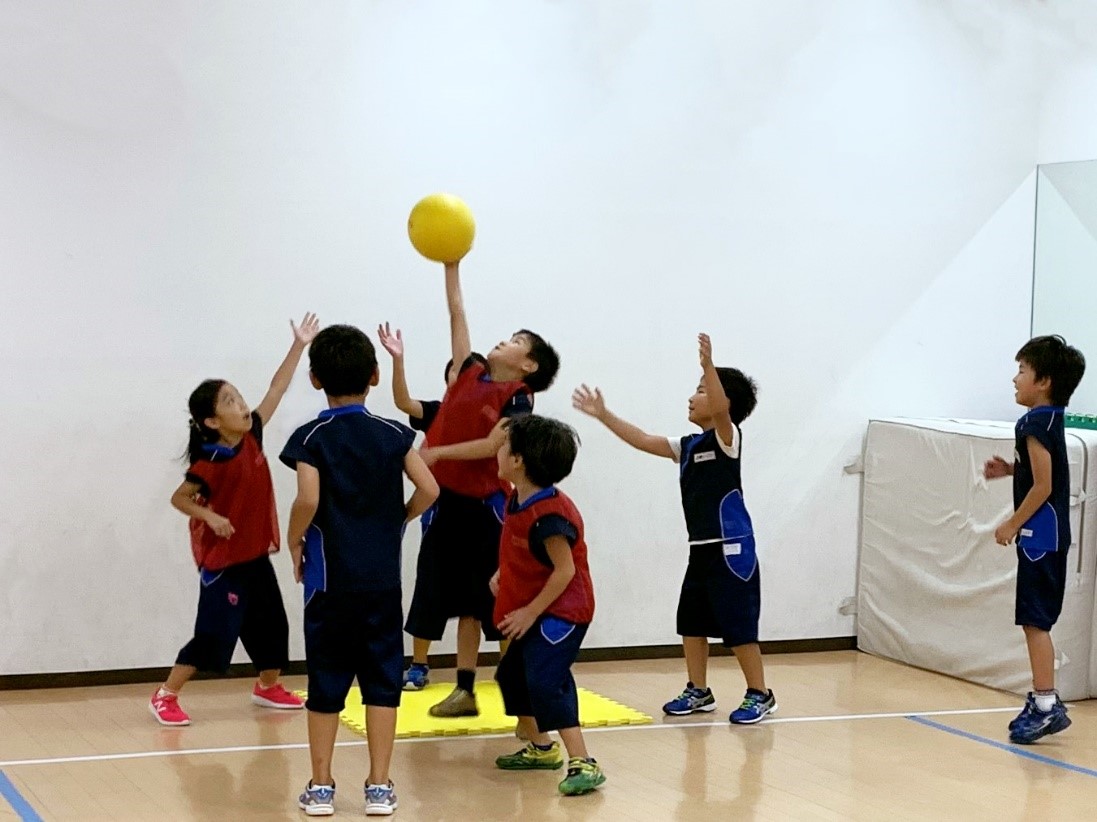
{"points": [[421, 414], [229, 496]]}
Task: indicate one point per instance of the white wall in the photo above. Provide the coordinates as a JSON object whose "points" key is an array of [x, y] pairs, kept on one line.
{"points": [[1065, 294], [840, 193]]}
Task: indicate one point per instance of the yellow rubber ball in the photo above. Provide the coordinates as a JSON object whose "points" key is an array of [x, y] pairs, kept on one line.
{"points": [[441, 228]]}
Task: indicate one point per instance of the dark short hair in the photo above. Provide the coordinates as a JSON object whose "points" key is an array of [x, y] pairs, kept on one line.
{"points": [[474, 356], [202, 405], [343, 360], [548, 361], [1050, 356], [547, 447], [741, 390]]}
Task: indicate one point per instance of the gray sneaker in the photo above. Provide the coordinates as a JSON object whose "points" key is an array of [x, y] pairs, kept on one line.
{"points": [[380, 800], [459, 703], [317, 801]]}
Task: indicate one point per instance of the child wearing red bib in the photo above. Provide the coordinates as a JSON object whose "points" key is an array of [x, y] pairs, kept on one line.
{"points": [[229, 496]]}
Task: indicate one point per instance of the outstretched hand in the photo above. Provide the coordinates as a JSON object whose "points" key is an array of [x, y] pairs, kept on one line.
{"points": [[391, 342], [589, 401], [704, 345], [306, 332]]}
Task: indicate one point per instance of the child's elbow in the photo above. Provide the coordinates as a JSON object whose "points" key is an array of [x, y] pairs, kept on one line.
{"points": [[433, 490]]}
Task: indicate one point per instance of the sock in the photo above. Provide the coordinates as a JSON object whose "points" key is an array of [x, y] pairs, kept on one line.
{"points": [[314, 786], [691, 686], [165, 692], [465, 680], [547, 747], [386, 786], [422, 665], [763, 694], [1045, 700]]}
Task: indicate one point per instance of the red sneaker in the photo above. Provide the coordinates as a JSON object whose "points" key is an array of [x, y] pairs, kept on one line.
{"points": [[276, 697], [166, 709]]}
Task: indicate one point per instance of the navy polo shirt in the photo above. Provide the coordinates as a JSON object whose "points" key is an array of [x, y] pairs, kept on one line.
{"points": [[353, 543], [1045, 424]]}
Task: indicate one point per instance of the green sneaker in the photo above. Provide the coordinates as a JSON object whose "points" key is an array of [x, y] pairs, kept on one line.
{"points": [[532, 758], [459, 703], [584, 775]]}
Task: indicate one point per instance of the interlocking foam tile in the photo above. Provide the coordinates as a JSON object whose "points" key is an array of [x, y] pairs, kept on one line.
{"points": [[413, 720]]}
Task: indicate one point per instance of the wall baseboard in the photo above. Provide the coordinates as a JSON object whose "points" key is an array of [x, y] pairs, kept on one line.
{"points": [[131, 676]]}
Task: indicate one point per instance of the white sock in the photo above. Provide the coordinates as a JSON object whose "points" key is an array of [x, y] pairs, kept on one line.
{"points": [[1045, 700], [165, 692]]}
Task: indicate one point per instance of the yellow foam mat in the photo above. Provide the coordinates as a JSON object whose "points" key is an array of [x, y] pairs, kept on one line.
{"points": [[413, 720]]}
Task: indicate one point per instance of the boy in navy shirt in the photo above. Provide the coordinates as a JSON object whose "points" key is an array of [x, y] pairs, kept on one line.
{"points": [[344, 534], [721, 594], [1049, 371]]}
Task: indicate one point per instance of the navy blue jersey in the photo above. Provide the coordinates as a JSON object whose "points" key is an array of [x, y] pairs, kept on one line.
{"points": [[353, 543], [712, 497], [1049, 528]]}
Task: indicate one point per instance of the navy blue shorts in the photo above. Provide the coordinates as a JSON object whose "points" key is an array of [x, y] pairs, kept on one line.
{"points": [[242, 602], [458, 556], [715, 602], [1040, 587], [534, 674], [352, 635]]}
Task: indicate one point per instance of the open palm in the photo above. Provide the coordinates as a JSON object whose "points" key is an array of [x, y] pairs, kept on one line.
{"points": [[588, 400], [306, 332]]}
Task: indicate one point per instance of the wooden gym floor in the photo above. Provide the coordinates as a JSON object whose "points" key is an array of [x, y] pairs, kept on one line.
{"points": [[856, 738]]}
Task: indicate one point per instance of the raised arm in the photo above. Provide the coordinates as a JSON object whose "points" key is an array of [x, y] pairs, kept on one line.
{"points": [[394, 344], [590, 402], [460, 342], [302, 335], [717, 400]]}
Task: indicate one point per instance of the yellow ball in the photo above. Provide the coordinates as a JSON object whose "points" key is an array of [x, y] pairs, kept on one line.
{"points": [[441, 228]]}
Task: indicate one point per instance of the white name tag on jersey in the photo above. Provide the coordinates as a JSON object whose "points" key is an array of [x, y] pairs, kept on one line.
{"points": [[733, 549], [704, 456]]}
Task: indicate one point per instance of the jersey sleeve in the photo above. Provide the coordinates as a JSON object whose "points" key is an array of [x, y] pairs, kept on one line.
{"points": [[676, 444], [199, 474], [430, 411], [257, 428], [550, 525], [1036, 426], [297, 450], [518, 405], [469, 362], [404, 439]]}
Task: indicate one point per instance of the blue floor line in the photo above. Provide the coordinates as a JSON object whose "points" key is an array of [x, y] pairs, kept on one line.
{"points": [[1016, 750], [18, 804]]}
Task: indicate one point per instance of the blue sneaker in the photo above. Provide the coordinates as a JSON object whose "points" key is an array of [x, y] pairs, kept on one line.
{"points": [[754, 708], [380, 800], [1034, 724], [1026, 712], [317, 800], [416, 677], [692, 700]]}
